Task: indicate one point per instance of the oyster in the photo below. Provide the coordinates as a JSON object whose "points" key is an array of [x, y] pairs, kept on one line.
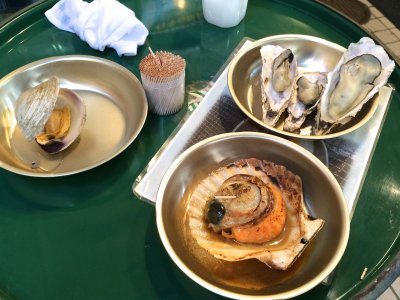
{"points": [[362, 70], [306, 95], [51, 115], [279, 69], [252, 209]]}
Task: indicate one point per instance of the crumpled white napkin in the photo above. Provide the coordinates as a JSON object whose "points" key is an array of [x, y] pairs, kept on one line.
{"points": [[101, 23]]}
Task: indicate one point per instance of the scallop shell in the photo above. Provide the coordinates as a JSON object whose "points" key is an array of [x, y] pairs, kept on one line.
{"points": [[34, 107], [279, 253]]}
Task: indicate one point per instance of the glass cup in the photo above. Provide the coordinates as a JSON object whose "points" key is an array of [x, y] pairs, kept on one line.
{"points": [[224, 13]]}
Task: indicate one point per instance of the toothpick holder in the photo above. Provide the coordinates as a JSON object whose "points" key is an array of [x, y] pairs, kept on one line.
{"points": [[163, 79]]}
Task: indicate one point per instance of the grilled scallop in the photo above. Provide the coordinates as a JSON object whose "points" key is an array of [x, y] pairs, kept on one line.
{"points": [[252, 209]]}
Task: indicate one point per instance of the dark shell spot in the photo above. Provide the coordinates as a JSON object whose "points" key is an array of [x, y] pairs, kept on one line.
{"points": [[294, 120], [231, 166], [258, 168], [239, 189], [304, 241], [290, 57], [228, 231], [274, 180], [53, 146], [216, 212], [272, 114]]}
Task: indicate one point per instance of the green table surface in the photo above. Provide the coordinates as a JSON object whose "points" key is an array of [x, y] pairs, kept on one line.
{"points": [[86, 236]]}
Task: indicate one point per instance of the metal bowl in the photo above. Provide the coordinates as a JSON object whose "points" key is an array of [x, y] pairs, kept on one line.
{"points": [[116, 109], [312, 54], [322, 194]]}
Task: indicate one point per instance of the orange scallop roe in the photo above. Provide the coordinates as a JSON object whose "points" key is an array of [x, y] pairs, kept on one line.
{"points": [[268, 228]]}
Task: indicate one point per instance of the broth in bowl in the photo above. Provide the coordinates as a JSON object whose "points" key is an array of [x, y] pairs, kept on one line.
{"points": [[226, 270]]}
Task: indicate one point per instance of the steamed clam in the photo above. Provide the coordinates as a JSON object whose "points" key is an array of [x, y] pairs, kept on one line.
{"points": [[279, 70], [363, 69], [50, 115], [252, 209]]}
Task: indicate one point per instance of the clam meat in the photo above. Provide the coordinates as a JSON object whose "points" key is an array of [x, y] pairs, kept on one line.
{"points": [[50, 115], [278, 73], [307, 92], [357, 78], [252, 209]]}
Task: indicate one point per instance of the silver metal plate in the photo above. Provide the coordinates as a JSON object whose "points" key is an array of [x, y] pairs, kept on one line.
{"points": [[195, 163], [313, 55], [347, 156], [116, 109]]}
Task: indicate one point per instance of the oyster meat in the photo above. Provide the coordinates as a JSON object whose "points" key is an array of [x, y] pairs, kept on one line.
{"points": [[252, 209], [361, 71], [279, 70], [306, 95], [50, 115]]}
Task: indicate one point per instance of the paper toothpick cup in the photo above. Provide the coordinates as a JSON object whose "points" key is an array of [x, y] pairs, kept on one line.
{"points": [[163, 79]]}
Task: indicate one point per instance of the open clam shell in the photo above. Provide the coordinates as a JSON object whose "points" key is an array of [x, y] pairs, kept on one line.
{"points": [[35, 106]]}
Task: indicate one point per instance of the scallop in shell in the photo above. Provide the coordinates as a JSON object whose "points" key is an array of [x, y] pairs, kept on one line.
{"points": [[278, 73], [252, 209], [51, 115], [306, 96], [362, 70]]}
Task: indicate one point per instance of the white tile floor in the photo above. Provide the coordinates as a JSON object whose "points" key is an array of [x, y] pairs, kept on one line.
{"points": [[392, 293], [389, 36], [383, 31]]}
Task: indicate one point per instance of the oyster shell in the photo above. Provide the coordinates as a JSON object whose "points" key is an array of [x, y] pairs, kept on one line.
{"points": [[362, 70], [279, 70], [51, 115], [306, 95], [238, 237]]}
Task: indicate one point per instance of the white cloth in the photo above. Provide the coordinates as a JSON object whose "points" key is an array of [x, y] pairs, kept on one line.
{"points": [[101, 23]]}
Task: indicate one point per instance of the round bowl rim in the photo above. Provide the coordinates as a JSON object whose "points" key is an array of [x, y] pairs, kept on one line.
{"points": [[284, 295], [374, 102], [80, 57]]}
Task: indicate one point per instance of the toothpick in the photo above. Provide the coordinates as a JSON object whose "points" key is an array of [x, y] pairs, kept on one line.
{"points": [[363, 273], [158, 59], [224, 197]]}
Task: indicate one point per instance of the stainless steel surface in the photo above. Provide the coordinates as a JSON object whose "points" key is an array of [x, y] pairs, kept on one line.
{"points": [[347, 156], [313, 55], [323, 200], [116, 109]]}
